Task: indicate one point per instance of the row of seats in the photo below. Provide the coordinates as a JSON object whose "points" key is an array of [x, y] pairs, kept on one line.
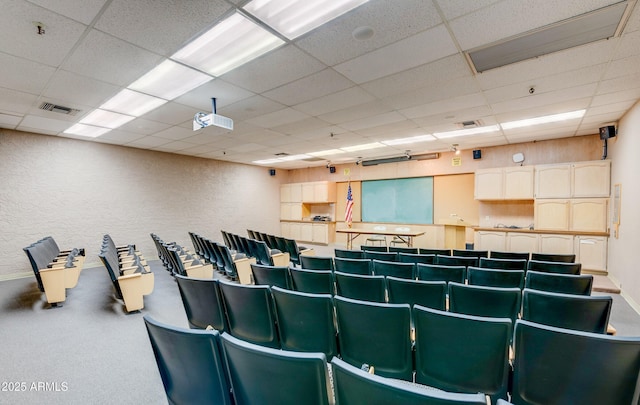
{"points": [[55, 270], [230, 263], [178, 260], [226, 370], [444, 355], [128, 270], [284, 245]]}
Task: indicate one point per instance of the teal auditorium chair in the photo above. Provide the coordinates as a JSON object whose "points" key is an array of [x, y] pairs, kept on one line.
{"points": [[271, 275], [349, 254], [551, 257], [561, 366], [306, 322], [462, 353], [202, 303], [386, 256], [377, 335], [569, 311], [370, 248], [416, 258], [190, 363], [509, 255], [353, 266], [457, 261], [554, 267], [312, 281], [394, 269], [503, 264], [355, 386], [485, 301], [403, 249], [495, 277], [316, 263], [262, 375], [359, 287], [250, 313], [470, 253], [437, 252], [434, 272], [431, 294], [559, 283]]}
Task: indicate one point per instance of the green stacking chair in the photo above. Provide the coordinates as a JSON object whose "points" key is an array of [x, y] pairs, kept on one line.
{"points": [[355, 386], [554, 267], [509, 255], [263, 375], [306, 322], [495, 277], [470, 253], [437, 252], [270, 275], [559, 283], [416, 258], [457, 261], [435, 272], [202, 303], [312, 281], [250, 314], [485, 301], [316, 263], [190, 363], [370, 248], [394, 269], [561, 366], [349, 254], [376, 334], [552, 257], [569, 311], [354, 266], [431, 294], [359, 287], [462, 353], [403, 249], [385, 256], [503, 264]]}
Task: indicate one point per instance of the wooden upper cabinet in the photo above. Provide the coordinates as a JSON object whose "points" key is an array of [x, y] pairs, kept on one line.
{"points": [[518, 183], [589, 214], [552, 215], [553, 181], [319, 192], [591, 179], [489, 184]]}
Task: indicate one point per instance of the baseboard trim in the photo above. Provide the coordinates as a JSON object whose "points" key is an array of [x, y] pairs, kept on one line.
{"points": [[632, 303], [15, 276]]}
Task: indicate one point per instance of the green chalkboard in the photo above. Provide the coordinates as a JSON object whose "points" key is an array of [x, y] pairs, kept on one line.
{"points": [[402, 201]]}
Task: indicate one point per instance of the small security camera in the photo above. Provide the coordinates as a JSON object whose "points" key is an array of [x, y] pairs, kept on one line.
{"points": [[358, 162], [532, 90]]}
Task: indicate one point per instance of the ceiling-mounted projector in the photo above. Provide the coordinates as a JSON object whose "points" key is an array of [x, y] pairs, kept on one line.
{"points": [[203, 120]]}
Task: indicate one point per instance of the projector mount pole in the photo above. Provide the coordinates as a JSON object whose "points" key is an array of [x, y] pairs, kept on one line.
{"points": [[604, 149]]}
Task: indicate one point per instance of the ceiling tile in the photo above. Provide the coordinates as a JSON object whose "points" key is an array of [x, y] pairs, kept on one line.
{"points": [[12, 101], [301, 126], [456, 8], [308, 88], [439, 91], [33, 123], [337, 101], [277, 118], [148, 142], [23, 75], [174, 146], [143, 126], [224, 93], [623, 67], [171, 113], [121, 137], [9, 121], [250, 108], [174, 133], [83, 11], [373, 121], [617, 97], [444, 106], [536, 100], [74, 88]]}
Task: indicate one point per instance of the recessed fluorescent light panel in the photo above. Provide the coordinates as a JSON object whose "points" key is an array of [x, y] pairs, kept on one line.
{"points": [[294, 157], [412, 139], [86, 130], [365, 146], [327, 152], [132, 103], [229, 44], [106, 119], [169, 80], [293, 18], [543, 120], [267, 161], [467, 132]]}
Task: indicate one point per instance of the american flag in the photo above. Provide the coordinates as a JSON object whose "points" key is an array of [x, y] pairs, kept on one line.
{"points": [[348, 211]]}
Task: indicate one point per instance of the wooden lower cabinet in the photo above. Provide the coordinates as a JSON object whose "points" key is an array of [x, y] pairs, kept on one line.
{"points": [[315, 232], [591, 251], [557, 244], [522, 242], [488, 240]]}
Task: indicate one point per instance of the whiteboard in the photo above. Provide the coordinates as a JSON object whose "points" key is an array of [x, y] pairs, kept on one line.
{"points": [[401, 201]]}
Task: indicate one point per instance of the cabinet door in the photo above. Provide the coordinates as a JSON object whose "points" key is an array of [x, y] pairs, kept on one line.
{"points": [[556, 244], [285, 193], [551, 215], [285, 211], [589, 215], [306, 232], [296, 192], [488, 240], [592, 179], [553, 181], [320, 233], [522, 242], [285, 230], [324, 191], [294, 230], [489, 184], [308, 190], [296, 211], [518, 183], [591, 251]]}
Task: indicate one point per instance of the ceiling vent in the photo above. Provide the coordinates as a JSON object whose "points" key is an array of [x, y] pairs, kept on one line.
{"points": [[469, 124], [281, 154], [590, 27], [60, 109], [313, 159]]}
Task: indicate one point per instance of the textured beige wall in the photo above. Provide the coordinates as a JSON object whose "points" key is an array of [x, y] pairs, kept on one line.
{"points": [[76, 191]]}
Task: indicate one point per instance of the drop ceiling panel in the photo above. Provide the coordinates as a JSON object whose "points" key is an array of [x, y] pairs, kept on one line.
{"points": [[536, 100], [148, 142], [249, 108], [356, 112], [12, 101], [224, 93], [619, 108], [373, 121], [619, 84], [456, 8], [247, 147], [399, 129], [174, 146], [277, 118], [334, 102], [301, 126], [174, 133], [438, 91], [84, 11], [622, 67], [121, 137], [408, 53], [617, 97], [311, 87], [73, 88], [444, 106], [451, 117], [42, 124], [23, 75], [144, 126], [172, 113], [9, 121]]}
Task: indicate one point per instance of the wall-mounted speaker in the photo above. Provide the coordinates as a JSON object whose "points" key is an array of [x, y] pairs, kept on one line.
{"points": [[607, 132], [272, 172], [477, 154], [332, 169]]}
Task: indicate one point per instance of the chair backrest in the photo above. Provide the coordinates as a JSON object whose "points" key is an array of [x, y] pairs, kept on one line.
{"points": [[349, 254], [316, 263], [551, 257], [457, 261], [569, 311], [403, 249], [386, 256], [306, 322], [503, 264], [495, 278], [359, 287], [202, 303], [205, 379], [250, 313], [440, 252], [312, 281], [262, 375], [355, 386], [509, 255], [559, 283], [462, 353], [436, 272], [376, 334], [485, 301], [554, 267], [263, 252], [354, 266], [293, 250], [470, 253], [554, 365], [416, 258], [368, 248], [229, 267], [431, 294], [394, 269], [271, 275]]}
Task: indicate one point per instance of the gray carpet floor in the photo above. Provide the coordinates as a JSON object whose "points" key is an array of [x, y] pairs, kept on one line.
{"points": [[91, 351]]}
